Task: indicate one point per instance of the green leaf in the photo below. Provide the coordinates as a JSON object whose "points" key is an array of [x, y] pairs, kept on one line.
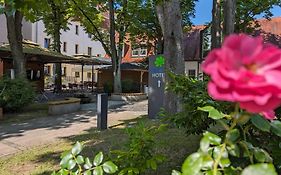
{"points": [[204, 144], [276, 127], [175, 172], [88, 164], [88, 172], [109, 167], [262, 156], [232, 136], [153, 164], [234, 150], [224, 162], [71, 164], [80, 159], [98, 171], [213, 113], [218, 151], [214, 139], [259, 169], [77, 148], [192, 165], [207, 162], [65, 159], [260, 123], [98, 159]]}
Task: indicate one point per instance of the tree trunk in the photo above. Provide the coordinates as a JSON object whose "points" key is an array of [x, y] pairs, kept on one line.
{"points": [[216, 25], [14, 28], [56, 45], [170, 19], [229, 16], [116, 62], [160, 45]]}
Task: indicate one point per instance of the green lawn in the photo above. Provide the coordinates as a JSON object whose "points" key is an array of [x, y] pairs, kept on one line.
{"points": [[173, 143]]}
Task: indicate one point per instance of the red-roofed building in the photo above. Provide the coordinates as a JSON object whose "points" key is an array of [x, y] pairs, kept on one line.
{"points": [[270, 30]]}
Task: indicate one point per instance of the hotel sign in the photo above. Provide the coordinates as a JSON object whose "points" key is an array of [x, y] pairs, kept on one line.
{"points": [[156, 85]]}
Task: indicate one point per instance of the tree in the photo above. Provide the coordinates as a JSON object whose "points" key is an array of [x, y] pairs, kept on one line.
{"points": [[99, 16], [170, 18], [216, 24], [55, 15], [229, 16], [247, 11], [12, 10], [145, 27]]}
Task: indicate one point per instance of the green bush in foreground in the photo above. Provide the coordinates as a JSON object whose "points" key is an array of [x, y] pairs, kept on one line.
{"points": [[74, 163], [15, 94]]}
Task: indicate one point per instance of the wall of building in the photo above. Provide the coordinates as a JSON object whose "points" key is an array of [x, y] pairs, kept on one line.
{"points": [[193, 66], [3, 30]]}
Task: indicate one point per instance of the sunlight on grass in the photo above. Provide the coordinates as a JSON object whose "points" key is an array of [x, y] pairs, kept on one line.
{"points": [[173, 143]]}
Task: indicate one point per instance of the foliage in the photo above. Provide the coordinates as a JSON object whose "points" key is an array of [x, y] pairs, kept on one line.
{"points": [[72, 162], [145, 27], [15, 93], [233, 153], [193, 93], [139, 156], [130, 86], [247, 11]]}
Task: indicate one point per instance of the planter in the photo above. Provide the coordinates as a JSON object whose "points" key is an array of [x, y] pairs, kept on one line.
{"points": [[1, 114], [65, 106], [128, 97]]}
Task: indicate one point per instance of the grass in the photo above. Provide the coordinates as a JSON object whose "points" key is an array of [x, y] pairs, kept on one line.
{"points": [[173, 143], [34, 110]]}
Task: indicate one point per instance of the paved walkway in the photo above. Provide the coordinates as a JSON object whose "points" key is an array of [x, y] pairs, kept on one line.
{"points": [[20, 136]]}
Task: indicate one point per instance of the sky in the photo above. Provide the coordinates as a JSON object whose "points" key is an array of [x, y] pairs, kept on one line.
{"points": [[203, 12]]}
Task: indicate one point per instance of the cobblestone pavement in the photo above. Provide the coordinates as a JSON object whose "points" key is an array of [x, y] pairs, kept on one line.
{"points": [[16, 137]]}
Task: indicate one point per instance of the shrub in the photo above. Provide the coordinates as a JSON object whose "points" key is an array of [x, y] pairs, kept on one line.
{"points": [[72, 162], [129, 86], [193, 94], [139, 153], [15, 93]]}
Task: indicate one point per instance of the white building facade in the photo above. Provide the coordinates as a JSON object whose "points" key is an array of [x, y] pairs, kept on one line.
{"points": [[73, 41]]}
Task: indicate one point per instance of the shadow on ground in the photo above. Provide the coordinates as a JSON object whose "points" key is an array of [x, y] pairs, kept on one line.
{"points": [[17, 129], [173, 143]]}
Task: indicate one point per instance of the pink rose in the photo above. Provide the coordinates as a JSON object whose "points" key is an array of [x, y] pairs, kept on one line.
{"points": [[269, 115], [246, 71]]}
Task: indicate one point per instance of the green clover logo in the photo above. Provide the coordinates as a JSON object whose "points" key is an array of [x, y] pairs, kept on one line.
{"points": [[160, 61]]}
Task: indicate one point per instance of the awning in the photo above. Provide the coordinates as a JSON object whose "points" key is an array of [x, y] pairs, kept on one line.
{"points": [[128, 66], [34, 53]]}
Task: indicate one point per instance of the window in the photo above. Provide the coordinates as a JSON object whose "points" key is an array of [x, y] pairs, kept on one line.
{"points": [[64, 46], [191, 73], [64, 71], [89, 75], [47, 42], [77, 74], [89, 51], [76, 29], [47, 70], [76, 48], [139, 52]]}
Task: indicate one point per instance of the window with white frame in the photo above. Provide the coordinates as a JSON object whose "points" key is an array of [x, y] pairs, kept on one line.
{"points": [[139, 52]]}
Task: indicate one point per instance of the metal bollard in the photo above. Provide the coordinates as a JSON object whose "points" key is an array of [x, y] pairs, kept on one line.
{"points": [[102, 103]]}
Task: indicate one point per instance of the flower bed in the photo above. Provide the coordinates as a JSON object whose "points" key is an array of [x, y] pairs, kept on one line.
{"points": [[63, 106]]}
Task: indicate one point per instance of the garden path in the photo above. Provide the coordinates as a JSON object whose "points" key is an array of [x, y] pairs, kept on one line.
{"points": [[15, 137]]}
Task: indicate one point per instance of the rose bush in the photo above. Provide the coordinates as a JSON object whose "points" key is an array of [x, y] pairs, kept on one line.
{"points": [[246, 71]]}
